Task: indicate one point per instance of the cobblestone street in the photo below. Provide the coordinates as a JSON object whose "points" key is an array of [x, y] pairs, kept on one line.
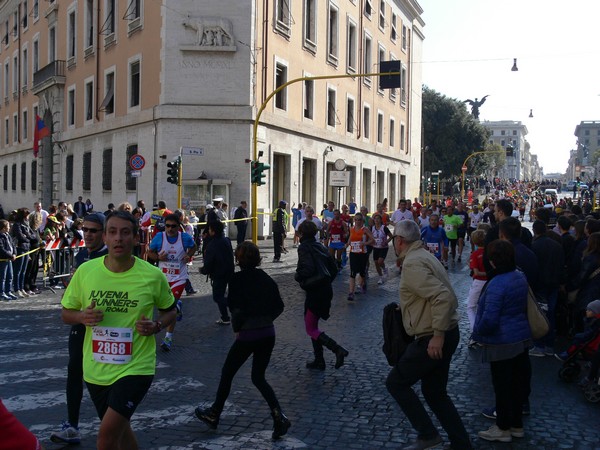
{"points": [[347, 408]]}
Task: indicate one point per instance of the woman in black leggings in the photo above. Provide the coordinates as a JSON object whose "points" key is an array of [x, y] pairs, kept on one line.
{"points": [[254, 302]]}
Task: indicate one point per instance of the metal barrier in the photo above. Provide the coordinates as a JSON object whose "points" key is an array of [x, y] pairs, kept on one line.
{"points": [[57, 258]]}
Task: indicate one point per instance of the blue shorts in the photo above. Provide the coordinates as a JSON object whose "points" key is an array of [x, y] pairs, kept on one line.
{"points": [[337, 245]]}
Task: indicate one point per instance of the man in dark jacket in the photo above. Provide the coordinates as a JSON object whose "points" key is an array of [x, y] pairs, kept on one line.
{"points": [[218, 264], [241, 213], [551, 262], [280, 221]]}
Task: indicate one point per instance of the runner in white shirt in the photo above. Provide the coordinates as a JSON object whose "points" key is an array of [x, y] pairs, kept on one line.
{"points": [[310, 211], [475, 217], [424, 218], [401, 213]]}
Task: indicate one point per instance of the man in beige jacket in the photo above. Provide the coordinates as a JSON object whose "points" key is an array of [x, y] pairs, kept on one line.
{"points": [[429, 313]]}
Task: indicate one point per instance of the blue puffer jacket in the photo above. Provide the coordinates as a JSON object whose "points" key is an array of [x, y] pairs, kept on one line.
{"points": [[502, 311]]}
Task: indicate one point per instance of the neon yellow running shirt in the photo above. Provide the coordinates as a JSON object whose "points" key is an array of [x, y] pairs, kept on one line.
{"points": [[451, 224], [113, 349]]}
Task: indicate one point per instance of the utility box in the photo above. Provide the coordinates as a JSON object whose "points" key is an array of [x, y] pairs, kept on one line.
{"points": [[263, 223]]}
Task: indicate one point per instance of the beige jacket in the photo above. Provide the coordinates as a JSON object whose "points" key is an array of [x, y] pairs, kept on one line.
{"points": [[427, 300]]}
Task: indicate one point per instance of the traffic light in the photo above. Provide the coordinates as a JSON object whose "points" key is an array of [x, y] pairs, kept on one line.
{"points": [[257, 172], [174, 171], [510, 150], [254, 171]]}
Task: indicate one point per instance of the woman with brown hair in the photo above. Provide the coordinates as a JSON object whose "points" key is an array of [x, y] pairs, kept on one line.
{"points": [[23, 235], [502, 327], [254, 302]]}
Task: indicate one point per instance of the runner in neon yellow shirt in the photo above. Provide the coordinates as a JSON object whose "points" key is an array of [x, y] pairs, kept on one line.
{"points": [[451, 225], [114, 297]]}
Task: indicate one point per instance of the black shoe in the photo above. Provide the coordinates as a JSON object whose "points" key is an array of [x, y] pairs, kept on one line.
{"points": [[209, 416], [423, 444], [316, 364], [319, 362], [281, 423], [340, 352]]}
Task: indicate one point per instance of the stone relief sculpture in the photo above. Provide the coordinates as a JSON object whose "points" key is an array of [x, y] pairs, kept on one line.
{"points": [[211, 31]]}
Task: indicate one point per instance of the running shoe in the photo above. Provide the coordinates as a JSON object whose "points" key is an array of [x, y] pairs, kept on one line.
{"points": [[5, 297], [166, 343], [223, 322], [179, 310], [350, 297], [12, 296], [562, 356], [192, 292], [380, 281], [67, 435], [537, 351]]}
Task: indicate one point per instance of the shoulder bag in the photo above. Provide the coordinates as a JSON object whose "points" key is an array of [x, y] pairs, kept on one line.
{"points": [[538, 322]]}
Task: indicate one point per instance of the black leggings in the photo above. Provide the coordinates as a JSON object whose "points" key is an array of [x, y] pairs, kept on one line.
{"points": [[239, 352], [75, 373]]}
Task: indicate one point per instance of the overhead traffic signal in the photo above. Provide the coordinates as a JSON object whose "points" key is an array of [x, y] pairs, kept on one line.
{"points": [[257, 172], [174, 171], [510, 150]]}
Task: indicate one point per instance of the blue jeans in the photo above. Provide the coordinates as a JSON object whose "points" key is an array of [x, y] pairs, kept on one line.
{"points": [[6, 276], [19, 269]]}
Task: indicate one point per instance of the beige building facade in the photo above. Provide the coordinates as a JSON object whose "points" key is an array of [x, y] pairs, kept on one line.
{"points": [[118, 78]]}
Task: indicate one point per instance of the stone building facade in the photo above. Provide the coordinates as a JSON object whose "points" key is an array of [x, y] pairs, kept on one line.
{"points": [[117, 78]]}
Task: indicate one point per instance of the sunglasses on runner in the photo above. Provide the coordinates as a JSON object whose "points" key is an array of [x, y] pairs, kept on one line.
{"points": [[170, 225]]}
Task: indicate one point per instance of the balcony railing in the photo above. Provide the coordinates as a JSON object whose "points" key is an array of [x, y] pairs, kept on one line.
{"points": [[53, 73]]}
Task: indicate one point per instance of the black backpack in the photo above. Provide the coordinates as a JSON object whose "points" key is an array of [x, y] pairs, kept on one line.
{"points": [[395, 338]]}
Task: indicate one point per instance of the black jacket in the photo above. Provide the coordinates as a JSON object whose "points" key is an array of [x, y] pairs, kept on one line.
{"points": [[317, 300], [7, 248], [218, 259], [254, 300], [23, 236]]}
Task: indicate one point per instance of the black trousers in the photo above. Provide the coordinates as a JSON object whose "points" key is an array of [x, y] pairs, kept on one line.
{"points": [[416, 365], [241, 232], [239, 352], [510, 378], [277, 244], [75, 373]]}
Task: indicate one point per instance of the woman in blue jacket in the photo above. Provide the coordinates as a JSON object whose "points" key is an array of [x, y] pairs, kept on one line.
{"points": [[502, 327]]}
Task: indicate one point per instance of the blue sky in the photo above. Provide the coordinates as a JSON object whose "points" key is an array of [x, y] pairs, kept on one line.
{"points": [[469, 49]]}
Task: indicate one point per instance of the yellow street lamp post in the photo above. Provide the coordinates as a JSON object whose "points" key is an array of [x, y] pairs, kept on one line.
{"points": [[254, 197]]}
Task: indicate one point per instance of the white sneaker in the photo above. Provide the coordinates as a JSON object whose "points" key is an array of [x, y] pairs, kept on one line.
{"points": [[494, 433], [380, 281]]}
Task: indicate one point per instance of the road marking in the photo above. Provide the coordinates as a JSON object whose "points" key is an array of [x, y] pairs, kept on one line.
{"points": [[16, 343], [21, 357], [259, 439], [28, 402], [27, 376]]}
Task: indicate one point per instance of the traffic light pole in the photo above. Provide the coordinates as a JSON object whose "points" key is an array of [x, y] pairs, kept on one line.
{"points": [[180, 178], [254, 198], [462, 185]]}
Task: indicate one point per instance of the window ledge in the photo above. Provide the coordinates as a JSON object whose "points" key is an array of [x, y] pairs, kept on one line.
{"points": [[134, 26], [109, 41], [88, 52]]}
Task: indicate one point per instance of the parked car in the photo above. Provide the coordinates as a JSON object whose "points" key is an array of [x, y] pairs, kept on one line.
{"points": [[552, 192]]}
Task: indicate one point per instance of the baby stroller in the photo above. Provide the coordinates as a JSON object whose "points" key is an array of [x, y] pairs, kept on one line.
{"points": [[572, 364], [592, 392]]}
